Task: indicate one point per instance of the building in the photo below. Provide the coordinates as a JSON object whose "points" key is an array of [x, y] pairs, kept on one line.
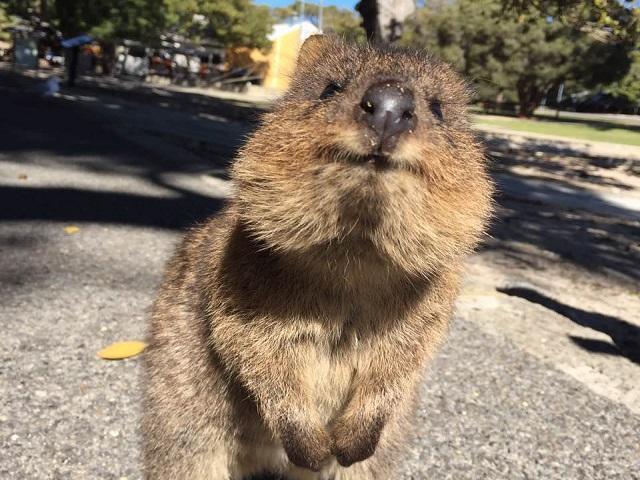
{"points": [[286, 38]]}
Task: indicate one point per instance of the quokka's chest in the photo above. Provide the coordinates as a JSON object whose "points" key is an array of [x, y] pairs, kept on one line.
{"points": [[329, 381], [330, 374]]}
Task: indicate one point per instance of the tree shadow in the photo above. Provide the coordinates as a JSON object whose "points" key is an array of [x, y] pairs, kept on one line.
{"points": [[624, 335], [548, 204], [588, 232], [77, 205], [77, 136], [556, 214], [231, 108], [57, 132], [601, 243], [539, 190], [556, 158]]}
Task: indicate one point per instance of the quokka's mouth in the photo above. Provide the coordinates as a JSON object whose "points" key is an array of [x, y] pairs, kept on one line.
{"points": [[376, 160]]}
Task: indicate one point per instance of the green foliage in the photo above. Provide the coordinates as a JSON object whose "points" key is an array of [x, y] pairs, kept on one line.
{"points": [[337, 21], [135, 19], [629, 86], [607, 20], [106, 19], [517, 54], [20, 7], [231, 22], [6, 21]]}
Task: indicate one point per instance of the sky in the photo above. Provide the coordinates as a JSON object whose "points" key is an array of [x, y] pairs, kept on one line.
{"points": [[352, 3], [284, 3]]}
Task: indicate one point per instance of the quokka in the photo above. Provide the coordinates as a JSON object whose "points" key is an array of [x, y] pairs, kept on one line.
{"points": [[292, 330]]}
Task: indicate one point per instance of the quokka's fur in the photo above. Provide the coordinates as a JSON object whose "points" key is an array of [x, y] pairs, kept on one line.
{"points": [[292, 330]]}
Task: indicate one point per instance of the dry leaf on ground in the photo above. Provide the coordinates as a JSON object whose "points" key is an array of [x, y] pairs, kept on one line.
{"points": [[122, 350]]}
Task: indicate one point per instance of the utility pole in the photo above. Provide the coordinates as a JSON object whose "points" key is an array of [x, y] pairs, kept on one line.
{"points": [[320, 15]]}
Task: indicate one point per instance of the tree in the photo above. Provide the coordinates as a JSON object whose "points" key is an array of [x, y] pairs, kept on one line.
{"points": [[611, 20], [337, 21], [628, 87], [6, 21], [106, 19], [518, 54], [383, 20], [23, 8], [368, 9], [231, 22]]}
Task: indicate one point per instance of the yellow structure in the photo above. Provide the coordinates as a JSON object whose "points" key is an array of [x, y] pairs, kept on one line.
{"points": [[286, 41], [245, 57]]}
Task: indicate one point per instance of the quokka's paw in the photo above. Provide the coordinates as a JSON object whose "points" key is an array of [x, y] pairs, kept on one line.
{"points": [[355, 440], [307, 446]]}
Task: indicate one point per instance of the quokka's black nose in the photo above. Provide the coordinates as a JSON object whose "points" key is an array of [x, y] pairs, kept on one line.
{"points": [[387, 108]]}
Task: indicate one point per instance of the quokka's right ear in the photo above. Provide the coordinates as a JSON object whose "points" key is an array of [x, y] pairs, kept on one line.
{"points": [[312, 48]]}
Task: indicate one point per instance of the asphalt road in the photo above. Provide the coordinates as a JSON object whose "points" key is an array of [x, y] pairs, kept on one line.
{"points": [[489, 409]]}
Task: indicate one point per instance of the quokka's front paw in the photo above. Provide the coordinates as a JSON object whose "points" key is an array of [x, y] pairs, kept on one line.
{"points": [[307, 446], [355, 440]]}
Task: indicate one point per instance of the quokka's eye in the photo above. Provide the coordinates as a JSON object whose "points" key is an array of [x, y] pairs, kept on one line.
{"points": [[330, 90], [436, 109]]}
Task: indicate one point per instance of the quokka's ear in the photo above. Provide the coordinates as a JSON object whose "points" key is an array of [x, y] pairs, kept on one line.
{"points": [[313, 47]]}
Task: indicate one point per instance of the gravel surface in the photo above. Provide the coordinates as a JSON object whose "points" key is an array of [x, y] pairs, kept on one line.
{"points": [[491, 408]]}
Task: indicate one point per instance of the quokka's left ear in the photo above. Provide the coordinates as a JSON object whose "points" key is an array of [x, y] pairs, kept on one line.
{"points": [[313, 47]]}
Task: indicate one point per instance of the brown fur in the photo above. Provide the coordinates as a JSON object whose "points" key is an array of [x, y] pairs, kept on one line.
{"points": [[292, 330]]}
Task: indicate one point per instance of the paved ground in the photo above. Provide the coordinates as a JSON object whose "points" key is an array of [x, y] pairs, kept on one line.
{"points": [[540, 376]]}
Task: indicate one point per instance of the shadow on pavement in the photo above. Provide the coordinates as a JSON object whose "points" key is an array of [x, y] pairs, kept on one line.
{"points": [[606, 242], [549, 192], [75, 205], [624, 335], [51, 132], [559, 159], [555, 214]]}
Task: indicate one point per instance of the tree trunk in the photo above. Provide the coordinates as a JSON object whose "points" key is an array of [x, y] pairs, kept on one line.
{"points": [[383, 19], [368, 10], [529, 97], [68, 14]]}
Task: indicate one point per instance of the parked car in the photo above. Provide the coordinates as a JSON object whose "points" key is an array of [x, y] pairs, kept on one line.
{"points": [[606, 103]]}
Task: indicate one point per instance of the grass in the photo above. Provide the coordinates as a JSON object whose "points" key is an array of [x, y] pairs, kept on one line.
{"points": [[597, 131]]}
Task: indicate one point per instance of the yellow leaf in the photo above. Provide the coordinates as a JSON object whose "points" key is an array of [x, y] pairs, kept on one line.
{"points": [[71, 229], [121, 350]]}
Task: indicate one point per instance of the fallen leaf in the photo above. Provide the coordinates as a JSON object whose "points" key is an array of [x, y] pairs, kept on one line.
{"points": [[71, 229], [121, 350]]}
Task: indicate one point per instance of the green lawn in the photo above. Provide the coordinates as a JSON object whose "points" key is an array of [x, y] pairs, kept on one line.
{"points": [[595, 131]]}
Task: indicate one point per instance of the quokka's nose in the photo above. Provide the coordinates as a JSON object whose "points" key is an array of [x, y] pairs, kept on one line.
{"points": [[387, 108]]}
